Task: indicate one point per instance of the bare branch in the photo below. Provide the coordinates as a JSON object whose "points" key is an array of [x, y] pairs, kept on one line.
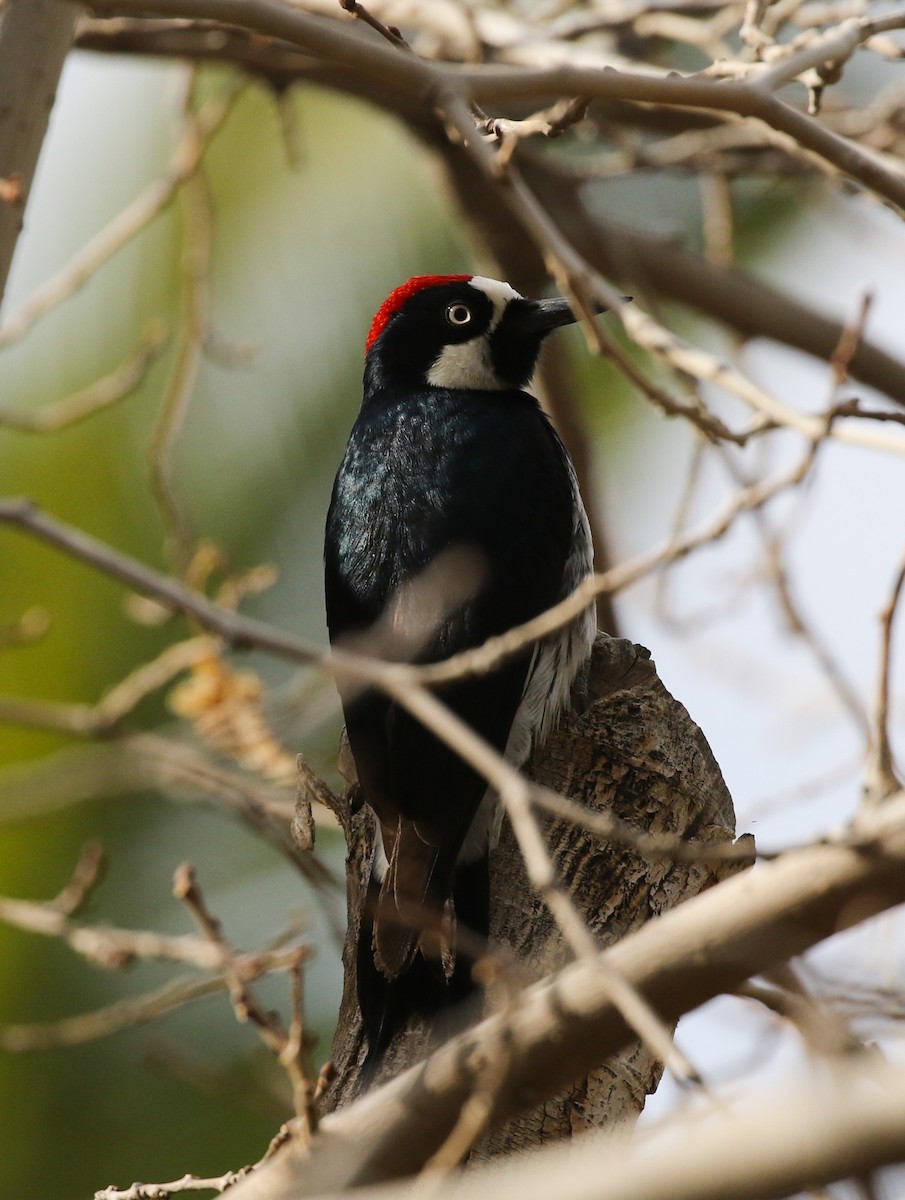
{"points": [[782, 1142], [197, 239], [105, 945], [550, 123], [104, 393], [475, 1116], [584, 285], [824, 1031], [563, 1026], [828, 52], [882, 779], [162, 1191], [130, 222], [647, 845], [390, 32], [291, 1049], [134, 1011], [170, 592], [295, 1056], [743, 303], [96, 720], [35, 36], [489, 83], [84, 879], [129, 763], [243, 632]]}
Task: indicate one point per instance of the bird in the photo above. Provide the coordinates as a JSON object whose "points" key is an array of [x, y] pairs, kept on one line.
{"points": [[455, 516]]}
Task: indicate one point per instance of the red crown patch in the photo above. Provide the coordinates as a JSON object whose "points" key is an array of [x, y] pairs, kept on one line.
{"points": [[400, 296]]}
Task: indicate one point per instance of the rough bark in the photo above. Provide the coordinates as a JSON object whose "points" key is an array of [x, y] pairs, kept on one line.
{"points": [[633, 752], [35, 36]]}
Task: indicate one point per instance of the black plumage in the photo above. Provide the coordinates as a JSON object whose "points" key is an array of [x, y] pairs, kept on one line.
{"points": [[453, 477]]}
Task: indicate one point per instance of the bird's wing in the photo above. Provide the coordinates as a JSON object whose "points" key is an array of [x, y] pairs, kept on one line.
{"points": [[430, 800], [505, 492]]}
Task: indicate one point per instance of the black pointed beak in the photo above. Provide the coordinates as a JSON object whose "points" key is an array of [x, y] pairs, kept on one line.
{"points": [[540, 317], [516, 341]]}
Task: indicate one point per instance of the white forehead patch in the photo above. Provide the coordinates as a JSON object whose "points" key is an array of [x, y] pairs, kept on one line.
{"points": [[468, 364], [498, 293]]}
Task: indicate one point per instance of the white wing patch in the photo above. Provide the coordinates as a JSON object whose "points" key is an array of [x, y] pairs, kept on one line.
{"points": [[468, 364]]}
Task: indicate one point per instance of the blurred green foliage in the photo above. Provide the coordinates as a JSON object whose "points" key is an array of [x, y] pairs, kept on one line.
{"points": [[292, 247]]}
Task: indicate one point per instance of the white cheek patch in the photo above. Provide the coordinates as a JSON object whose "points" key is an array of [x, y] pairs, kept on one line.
{"points": [[468, 364]]}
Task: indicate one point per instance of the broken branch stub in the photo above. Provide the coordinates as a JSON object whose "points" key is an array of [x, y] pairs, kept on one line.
{"points": [[633, 752]]}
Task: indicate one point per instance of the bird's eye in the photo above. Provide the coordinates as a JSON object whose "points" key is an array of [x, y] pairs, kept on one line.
{"points": [[458, 314]]}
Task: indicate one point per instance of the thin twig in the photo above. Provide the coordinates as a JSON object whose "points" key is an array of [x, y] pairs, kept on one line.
{"points": [[295, 1057], [492, 83], [795, 617], [549, 123], [192, 334], [696, 413], [131, 221], [648, 845], [291, 1054], [474, 1116], [104, 393], [824, 1031], [106, 945], [882, 779], [133, 1011], [854, 408], [155, 761], [585, 286], [243, 633], [849, 341], [101, 719], [162, 1191], [390, 32], [828, 51], [498, 649], [84, 879]]}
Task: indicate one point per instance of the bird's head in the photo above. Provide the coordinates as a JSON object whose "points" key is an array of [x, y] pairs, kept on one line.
{"points": [[461, 331]]}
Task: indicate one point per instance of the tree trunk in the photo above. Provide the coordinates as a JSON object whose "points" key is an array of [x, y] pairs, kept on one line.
{"points": [[635, 753], [35, 36]]}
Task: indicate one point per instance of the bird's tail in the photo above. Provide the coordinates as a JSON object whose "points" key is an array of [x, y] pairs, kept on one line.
{"points": [[416, 959], [411, 913]]}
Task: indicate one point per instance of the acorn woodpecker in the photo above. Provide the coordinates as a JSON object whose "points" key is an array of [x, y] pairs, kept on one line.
{"points": [[455, 516]]}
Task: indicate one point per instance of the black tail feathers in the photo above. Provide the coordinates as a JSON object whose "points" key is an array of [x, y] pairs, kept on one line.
{"points": [[439, 990]]}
